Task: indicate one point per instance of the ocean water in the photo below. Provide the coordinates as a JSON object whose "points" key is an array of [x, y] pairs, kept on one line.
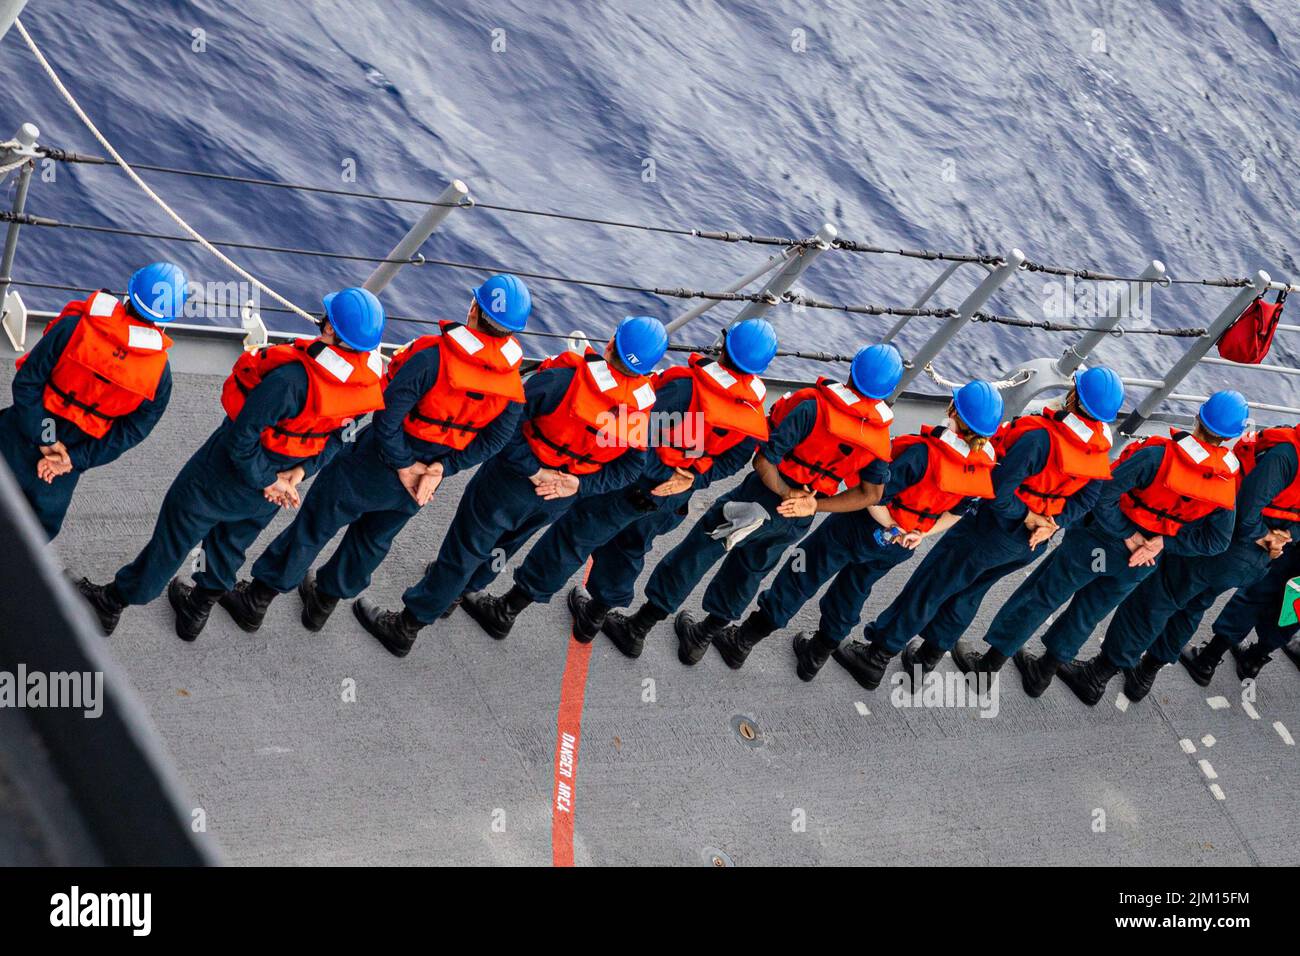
{"points": [[1091, 134]]}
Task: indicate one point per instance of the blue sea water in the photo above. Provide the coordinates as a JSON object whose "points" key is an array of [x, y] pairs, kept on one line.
{"points": [[1096, 134]]}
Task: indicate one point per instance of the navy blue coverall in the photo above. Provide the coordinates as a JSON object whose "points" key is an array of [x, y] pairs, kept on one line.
{"points": [[500, 509], [27, 425], [746, 564], [217, 498], [1164, 611], [943, 594], [360, 489], [618, 528], [1259, 605], [1090, 568], [843, 545]]}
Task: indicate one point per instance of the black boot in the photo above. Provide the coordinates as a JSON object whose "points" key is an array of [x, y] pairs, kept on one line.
{"points": [[104, 601], [1292, 650], [866, 662], [1138, 680], [1201, 661], [248, 603], [628, 631], [1036, 673], [396, 630], [192, 605], [588, 615], [811, 653], [734, 644], [496, 615], [694, 637], [1250, 660], [971, 661], [317, 606], [1088, 679], [922, 653]]}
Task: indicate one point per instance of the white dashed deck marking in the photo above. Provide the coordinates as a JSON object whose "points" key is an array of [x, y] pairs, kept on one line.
{"points": [[1122, 702], [1187, 745], [1209, 771], [1208, 740], [1217, 791], [861, 708], [1284, 733], [1250, 710], [1218, 703]]}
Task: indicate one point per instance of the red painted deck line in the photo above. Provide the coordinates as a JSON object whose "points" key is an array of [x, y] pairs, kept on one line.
{"points": [[568, 734]]}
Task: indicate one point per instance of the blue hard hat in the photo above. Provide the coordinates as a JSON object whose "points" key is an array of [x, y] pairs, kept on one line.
{"points": [[876, 370], [979, 405], [1225, 413], [1100, 391], [640, 341], [357, 317], [158, 291], [506, 301], [751, 345]]}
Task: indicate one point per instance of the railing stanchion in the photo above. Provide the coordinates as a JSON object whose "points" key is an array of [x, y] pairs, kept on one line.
{"points": [[13, 313], [697, 311], [925, 297], [1121, 309], [451, 198], [973, 303], [1138, 417]]}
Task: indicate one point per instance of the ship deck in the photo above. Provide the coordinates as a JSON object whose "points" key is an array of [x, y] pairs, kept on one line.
{"points": [[450, 755]]}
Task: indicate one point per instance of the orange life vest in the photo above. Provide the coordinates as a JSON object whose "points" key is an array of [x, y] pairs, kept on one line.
{"points": [[342, 385], [727, 405], [478, 377], [1286, 504], [850, 433], [1080, 453], [953, 472], [602, 415], [111, 365], [1193, 480]]}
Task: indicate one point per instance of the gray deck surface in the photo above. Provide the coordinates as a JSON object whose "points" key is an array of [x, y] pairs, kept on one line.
{"points": [[463, 732]]}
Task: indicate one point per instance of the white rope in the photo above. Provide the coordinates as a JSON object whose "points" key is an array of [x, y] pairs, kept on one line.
{"points": [[117, 158], [12, 164], [1018, 379]]}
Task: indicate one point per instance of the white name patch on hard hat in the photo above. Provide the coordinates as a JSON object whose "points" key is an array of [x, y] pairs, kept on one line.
{"points": [[466, 339], [511, 352], [602, 376], [140, 337], [645, 397], [102, 304], [334, 363]]}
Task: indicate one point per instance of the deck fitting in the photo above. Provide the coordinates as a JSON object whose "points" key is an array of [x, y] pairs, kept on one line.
{"points": [[747, 730], [714, 857]]}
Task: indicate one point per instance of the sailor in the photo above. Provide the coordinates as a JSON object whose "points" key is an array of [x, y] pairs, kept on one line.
{"points": [[287, 407], [451, 401], [935, 478], [1170, 494], [1163, 612], [1255, 608], [584, 430], [708, 420], [1048, 476], [92, 388], [822, 437]]}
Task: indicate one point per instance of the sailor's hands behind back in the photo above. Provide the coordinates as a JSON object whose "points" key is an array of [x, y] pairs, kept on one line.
{"points": [[1143, 552], [551, 484], [283, 492], [421, 481], [1041, 528], [1274, 542], [679, 482], [55, 461], [800, 503]]}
